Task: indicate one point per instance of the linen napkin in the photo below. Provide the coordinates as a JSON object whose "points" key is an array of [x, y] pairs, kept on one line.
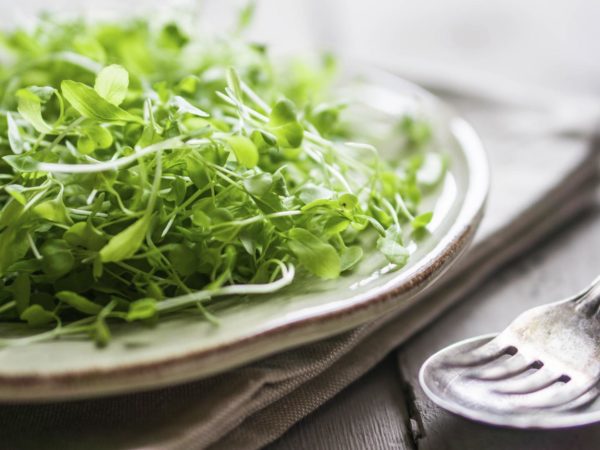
{"points": [[541, 180]]}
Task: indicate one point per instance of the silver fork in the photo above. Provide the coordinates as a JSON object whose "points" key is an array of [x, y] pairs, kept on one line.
{"points": [[541, 371]]}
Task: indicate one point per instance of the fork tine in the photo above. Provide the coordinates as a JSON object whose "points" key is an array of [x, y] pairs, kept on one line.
{"points": [[535, 381], [584, 400], [481, 355], [497, 370], [555, 395]]}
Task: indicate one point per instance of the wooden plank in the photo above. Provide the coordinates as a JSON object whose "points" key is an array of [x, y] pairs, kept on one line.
{"points": [[560, 268], [369, 414]]}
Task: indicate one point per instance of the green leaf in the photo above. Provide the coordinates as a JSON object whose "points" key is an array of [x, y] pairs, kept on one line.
{"points": [[112, 83], [84, 234], [259, 184], [16, 191], [54, 211], [348, 203], [97, 268], [172, 37], [244, 150], [57, 259], [183, 259], [85, 145], [142, 309], [283, 112], [101, 333], [317, 256], [11, 214], [245, 16], [185, 107], [79, 302], [90, 47], [350, 257], [417, 132], [311, 192], [90, 104], [22, 163], [422, 220], [200, 218], [336, 225], [22, 292], [17, 144], [99, 135], [284, 124], [36, 316], [13, 246], [234, 83], [392, 247], [125, 244], [30, 106]]}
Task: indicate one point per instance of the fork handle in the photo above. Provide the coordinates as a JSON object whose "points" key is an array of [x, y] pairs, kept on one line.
{"points": [[588, 302]]}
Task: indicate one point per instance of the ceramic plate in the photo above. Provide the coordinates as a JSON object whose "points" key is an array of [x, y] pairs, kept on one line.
{"points": [[185, 348]]}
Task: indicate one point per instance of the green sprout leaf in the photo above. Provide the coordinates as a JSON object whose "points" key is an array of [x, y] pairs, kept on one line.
{"points": [[244, 150], [84, 234], [30, 106], [284, 124], [185, 107], [112, 83], [78, 302], [350, 257], [319, 257], [36, 316], [15, 139], [142, 309], [127, 242], [54, 211], [22, 292], [392, 247], [422, 220], [90, 104]]}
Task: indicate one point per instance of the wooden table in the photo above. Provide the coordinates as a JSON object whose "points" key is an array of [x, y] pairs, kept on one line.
{"points": [[387, 409]]}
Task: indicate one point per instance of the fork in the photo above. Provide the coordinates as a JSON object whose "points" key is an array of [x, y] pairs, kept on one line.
{"points": [[547, 361], [558, 345]]}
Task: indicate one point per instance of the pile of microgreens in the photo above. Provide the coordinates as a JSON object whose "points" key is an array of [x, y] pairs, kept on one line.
{"points": [[144, 171]]}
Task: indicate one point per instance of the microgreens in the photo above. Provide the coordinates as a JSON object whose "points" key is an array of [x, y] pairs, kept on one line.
{"points": [[147, 171]]}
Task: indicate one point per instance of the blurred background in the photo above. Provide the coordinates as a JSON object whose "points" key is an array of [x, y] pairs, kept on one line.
{"points": [[551, 44]]}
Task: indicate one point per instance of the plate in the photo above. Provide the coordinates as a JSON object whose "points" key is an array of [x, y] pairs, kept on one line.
{"points": [[183, 348]]}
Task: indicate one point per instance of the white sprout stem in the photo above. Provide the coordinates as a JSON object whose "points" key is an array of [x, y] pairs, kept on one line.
{"points": [[331, 169], [7, 306], [319, 140], [251, 220], [83, 212], [91, 197], [255, 98], [287, 276], [35, 198], [169, 144], [34, 248], [168, 227], [392, 211], [79, 60], [403, 206], [242, 108]]}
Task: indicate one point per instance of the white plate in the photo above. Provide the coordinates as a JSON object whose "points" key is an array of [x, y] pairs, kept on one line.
{"points": [[184, 348]]}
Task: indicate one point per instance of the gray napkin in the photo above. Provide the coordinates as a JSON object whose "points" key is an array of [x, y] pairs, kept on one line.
{"points": [[541, 181]]}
